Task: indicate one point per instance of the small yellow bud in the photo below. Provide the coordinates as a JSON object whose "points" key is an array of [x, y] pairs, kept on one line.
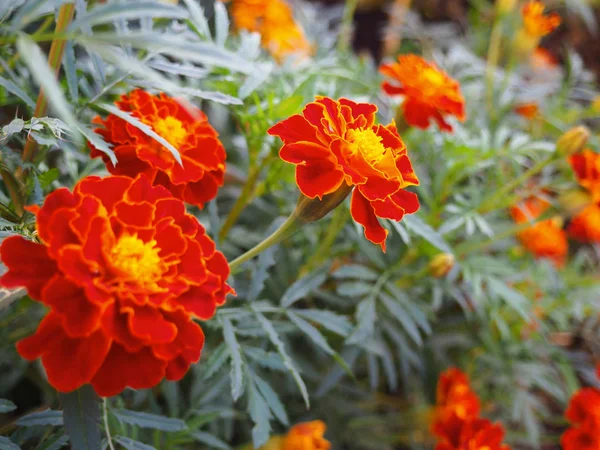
{"points": [[573, 202], [313, 209], [441, 264], [505, 6], [573, 141]]}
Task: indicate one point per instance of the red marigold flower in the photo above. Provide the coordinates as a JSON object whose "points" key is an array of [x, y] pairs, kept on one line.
{"points": [[336, 145], [585, 226], [527, 110], [183, 126], [429, 93], [477, 434], [124, 270], [581, 438], [306, 436], [535, 22], [586, 166], [584, 407], [545, 239]]}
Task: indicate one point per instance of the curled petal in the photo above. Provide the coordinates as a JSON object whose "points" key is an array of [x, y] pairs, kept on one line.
{"points": [[363, 213]]}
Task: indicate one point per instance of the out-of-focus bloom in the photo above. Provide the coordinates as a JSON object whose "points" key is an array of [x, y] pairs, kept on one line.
{"points": [[429, 93], [586, 166], [186, 128], [545, 239], [441, 264], [583, 413], [306, 436], [281, 35], [573, 140], [124, 270], [336, 146], [527, 110], [478, 434], [585, 226], [542, 60], [535, 23]]}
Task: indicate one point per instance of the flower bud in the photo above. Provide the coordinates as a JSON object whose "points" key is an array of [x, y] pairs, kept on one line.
{"points": [[313, 209], [573, 202], [573, 141], [441, 264]]}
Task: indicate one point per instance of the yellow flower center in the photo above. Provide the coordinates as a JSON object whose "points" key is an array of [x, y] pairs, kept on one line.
{"points": [[171, 129], [433, 77], [368, 144], [137, 260]]}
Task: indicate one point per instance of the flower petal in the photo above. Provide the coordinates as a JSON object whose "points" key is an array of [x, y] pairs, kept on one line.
{"points": [[364, 214]]}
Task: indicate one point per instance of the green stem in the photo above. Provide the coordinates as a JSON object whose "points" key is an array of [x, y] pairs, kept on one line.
{"points": [[346, 26], [106, 426], [278, 235]]}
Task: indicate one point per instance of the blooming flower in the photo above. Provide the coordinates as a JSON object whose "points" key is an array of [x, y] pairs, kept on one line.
{"points": [[583, 413], [336, 147], [429, 93], [186, 128], [124, 270], [586, 166], [478, 434], [545, 239], [306, 436], [280, 34], [585, 226], [535, 23], [527, 110]]}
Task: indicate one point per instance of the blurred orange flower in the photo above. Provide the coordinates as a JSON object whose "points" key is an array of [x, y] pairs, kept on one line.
{"points": [[124, 271], [477, 434], [184, 127], [306, 436], [542, 59], [336, 146], [537, 24], [545, 239], [583, 413], [527, 110], [586, 166], [281, 35], [429, 93], [585, 226]]}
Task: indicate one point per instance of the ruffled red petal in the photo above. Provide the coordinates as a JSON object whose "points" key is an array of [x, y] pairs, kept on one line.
{"points": [[363, 213]]}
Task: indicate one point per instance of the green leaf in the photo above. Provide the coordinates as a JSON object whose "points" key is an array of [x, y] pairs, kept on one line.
{"points": [[98, 141], [47, 178], [419, 227], [260, 414], [46, 417], [235, 352], [44, 76], [355, 272], [396, 309], [209, 440], [365, 317], [311, 332], [147, 420], [147, 130], [302, 287], [16, 90], [261, 272], [335, 323], [287, 361], [7, 444], [130, 444], [215, 361], [81, 413], [354, 289], [6, 406], [198, 18], [515, 299], [71, 72], [109, 12], [54, 442], [221, 24], [288, 107], [272, 399]]}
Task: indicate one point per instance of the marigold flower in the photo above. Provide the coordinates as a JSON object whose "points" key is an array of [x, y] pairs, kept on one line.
{"points": [[583, 413], [306, 436], [186, 128], [429, 93], [581, 438], [336, 145], [527, 110], [124, 270], [586, 166], [280, 34], [535, 23], [478, 434], [542, 60], [585, 226], [545, 239]]}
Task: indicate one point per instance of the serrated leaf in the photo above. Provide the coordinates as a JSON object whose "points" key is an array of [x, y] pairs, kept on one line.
{"points": [[260, 414], [98, 141], [147, 420], [403, 317], [418, 226], [265, 261], [130, 444], [54, 442], [272, 399], [46, 417], [7, 444], [209, 440], [235, 352], [329, 320], [71, 72], [221, 24], [311, 332], [6, 406], [365, 317], [355, 272], [215, 361], [302, 287], [16, 90], [81, 413], [110, 12], [198, 17], [146, 129]]}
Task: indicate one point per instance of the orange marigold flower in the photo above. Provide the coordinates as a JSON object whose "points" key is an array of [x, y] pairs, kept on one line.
{"points": [[477, 434], [545, 239], [185, 127], [542, 59], [306, 436], [429, 93], [581, 438], [583, 413], [124, 270], [535, 22], [527, 110], [586, 166], [336, 145], [280, 34], [585, 226]]}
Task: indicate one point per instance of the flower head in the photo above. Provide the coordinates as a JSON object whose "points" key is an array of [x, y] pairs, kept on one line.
{"points": [[306, 436], [586, 166], [545, 239], [186, 128], [336, 145], [585, 226], [281, 35], [583, 413], [477, 434], [527, 110], [429, 93], [535, 23], [124, 270]]}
